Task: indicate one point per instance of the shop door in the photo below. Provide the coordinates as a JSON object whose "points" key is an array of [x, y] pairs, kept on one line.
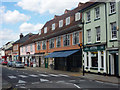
{"points": [[116, 64], [46, 62], [39, 61]]}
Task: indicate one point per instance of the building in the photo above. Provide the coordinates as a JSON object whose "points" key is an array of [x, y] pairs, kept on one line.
{"points": [[100, 38], [2, 54], [16, 46], [8, 54], [57, 42]]}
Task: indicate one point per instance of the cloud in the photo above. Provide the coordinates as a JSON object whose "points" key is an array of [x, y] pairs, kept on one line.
{"points": [[12, 16], [51, 6], [28, 27]]}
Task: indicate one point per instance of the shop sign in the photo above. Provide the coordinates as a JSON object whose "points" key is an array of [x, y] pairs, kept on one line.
{"points": [[94, 48]]}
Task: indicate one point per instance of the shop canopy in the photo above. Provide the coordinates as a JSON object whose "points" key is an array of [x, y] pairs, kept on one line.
{"points": [[61, 54]]}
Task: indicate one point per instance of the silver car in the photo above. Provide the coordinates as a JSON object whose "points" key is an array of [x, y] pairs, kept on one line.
{"points": [[18, 64]]}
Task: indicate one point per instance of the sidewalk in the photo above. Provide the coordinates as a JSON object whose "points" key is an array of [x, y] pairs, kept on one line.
{"points": [[109, 79]]}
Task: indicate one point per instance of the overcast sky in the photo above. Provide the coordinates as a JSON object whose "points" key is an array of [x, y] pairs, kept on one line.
{"points": [[25, 16]]}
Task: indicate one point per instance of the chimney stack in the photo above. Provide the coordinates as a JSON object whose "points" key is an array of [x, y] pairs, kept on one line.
{"points": [[55, 16], [66, 11], [80, 4], [21, 35]]}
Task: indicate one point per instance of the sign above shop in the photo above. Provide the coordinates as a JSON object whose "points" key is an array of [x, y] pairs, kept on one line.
{"points": [[94, 48]]}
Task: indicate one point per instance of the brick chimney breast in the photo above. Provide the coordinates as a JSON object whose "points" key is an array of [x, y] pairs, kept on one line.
{"points": [[21, 35]]}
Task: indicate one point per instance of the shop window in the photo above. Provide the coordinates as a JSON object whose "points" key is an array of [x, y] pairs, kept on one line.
{"points": [[94, 57], [87, 61], [75, 38], [66, 40], [102, 59], [58, 42], [51, 43]]}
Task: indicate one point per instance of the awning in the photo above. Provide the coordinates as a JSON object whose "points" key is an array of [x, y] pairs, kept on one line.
{"points": [[61, 54]]}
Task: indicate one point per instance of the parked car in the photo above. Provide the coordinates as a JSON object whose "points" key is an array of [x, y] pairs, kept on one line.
{"points": [[17, 64], [4, 62], [9, 64]]}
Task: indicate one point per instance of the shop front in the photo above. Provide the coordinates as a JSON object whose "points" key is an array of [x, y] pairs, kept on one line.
{"points": [[15, 56], [95, 59]]}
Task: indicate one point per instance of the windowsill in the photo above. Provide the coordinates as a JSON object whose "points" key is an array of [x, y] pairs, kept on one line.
{"points": [[113, 40], [88, 22], [88, 43], [97, 42], [97, 19], [112, 13]]}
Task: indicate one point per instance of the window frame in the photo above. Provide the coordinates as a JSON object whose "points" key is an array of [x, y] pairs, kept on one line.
{"points": [[45, 30], [43, 45], [98, 34], [97, 15], [89, 30], [58, 39], [113, 30], [53, 26], [77, 16], [74, 37], [39, 43], [67, 21], [60, 23], [111, 7], [88, 14], [31, 48], [51, 43], [67, 38]]}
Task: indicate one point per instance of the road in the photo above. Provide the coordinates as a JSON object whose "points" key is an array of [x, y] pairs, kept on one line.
{"points": [[25, 79]]}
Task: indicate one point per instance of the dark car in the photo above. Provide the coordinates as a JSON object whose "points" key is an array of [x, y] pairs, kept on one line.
{"points": [[4, 62], [9, 64]]}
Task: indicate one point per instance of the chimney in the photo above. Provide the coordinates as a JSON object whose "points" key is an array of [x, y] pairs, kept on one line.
{"points": [[55, 16], [21, 35], [80, 4], [66, 11]]}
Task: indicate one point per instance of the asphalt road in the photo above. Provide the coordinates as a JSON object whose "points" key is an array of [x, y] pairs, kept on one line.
{"points": [[26, 79]]}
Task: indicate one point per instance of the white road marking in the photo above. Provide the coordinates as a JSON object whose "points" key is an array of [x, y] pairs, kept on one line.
{"points": [[63, 75], [21, 81], [76, 86], [23, 76], [22, 87], [35, 82], [33, 75], [44, 80], [82, 80], [43, 75], [60, 82], [53, 75], [12, 77]]}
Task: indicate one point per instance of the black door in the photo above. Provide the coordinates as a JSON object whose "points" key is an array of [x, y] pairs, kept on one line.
{"points": [[39, 62], [116, 64]]}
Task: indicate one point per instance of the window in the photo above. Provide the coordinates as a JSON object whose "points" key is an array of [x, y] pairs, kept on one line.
{"points": [[38, 46], [75, 38], [45, 30], [26, 48], [88, 16], [67, 20], [58, 42], [39, 31], [114, 30], [98, 34], [31, 48], [66, 40], [22, 49], [61, 23], [51, 43], [77, 16], [15, 47], [94, 59], [112, 7], [43, 45], [53, 26], [89, 35], [97, 12]]}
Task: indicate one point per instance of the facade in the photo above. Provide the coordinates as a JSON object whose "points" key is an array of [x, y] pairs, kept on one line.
{"points": [[8, 54], [100, 52], [61, 34], [2, 54]]}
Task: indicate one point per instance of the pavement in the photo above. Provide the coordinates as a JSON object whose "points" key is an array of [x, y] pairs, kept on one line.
{"points": [[109, 79]]}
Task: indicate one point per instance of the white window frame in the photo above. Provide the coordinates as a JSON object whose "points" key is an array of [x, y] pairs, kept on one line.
{"points": [[44, 42], [67, 38], [112, 7], [75, 37], [113, 30], [89, 35], [53, 26], [77, 16], [45, 30], [88, 16], [51, 43], [58, 39], [98, 34], [67, 20], [97, 12], [61, 23], [31, 48]]}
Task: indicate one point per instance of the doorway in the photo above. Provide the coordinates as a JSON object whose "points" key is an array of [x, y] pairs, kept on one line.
{"points": [[39, 61]]}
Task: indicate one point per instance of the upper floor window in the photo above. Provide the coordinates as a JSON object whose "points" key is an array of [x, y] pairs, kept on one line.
{"points": [[39, 31], [22, 49], [75, 38], [77, 16], [97, 12], [31, 48], [112, 7], [61, 23], [26, 49], [67, 20], [88, 16], [53, 26], [43, 45], [114, 30], [89, 35], [45, 30], [66, 40], [51, 43], [98, 34], [38, 46], [15, 47], [58, 42]]}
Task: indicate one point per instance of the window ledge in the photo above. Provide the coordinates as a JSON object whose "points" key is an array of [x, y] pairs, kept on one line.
{"points": [[88, 22], [97, 42], [88, 43], [96, 19], [112, 13], [113, 40]]}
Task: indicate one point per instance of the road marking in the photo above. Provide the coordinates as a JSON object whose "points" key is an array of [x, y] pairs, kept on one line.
{"points": [[23, 76], [35, 82], [53, 75], [76, 86], [60, 82], [12, 77], [43, 75], [33, 75], [63, 75], [44, 80], [21, 81]]}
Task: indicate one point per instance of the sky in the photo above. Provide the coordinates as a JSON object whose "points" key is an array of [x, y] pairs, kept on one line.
{"points": [[28, 16]]}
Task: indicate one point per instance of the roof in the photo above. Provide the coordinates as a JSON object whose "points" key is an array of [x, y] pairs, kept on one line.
{"points": [[23, 39], [9, 49]]}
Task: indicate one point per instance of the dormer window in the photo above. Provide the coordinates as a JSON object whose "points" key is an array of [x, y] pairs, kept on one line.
{"points": [[77, 16], [61, 23], [45, 30], [67, 20], [53, 26]]}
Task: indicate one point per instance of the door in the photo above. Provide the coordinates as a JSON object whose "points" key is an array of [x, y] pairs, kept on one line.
{"points": [[116, 64], [39, 61]]}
